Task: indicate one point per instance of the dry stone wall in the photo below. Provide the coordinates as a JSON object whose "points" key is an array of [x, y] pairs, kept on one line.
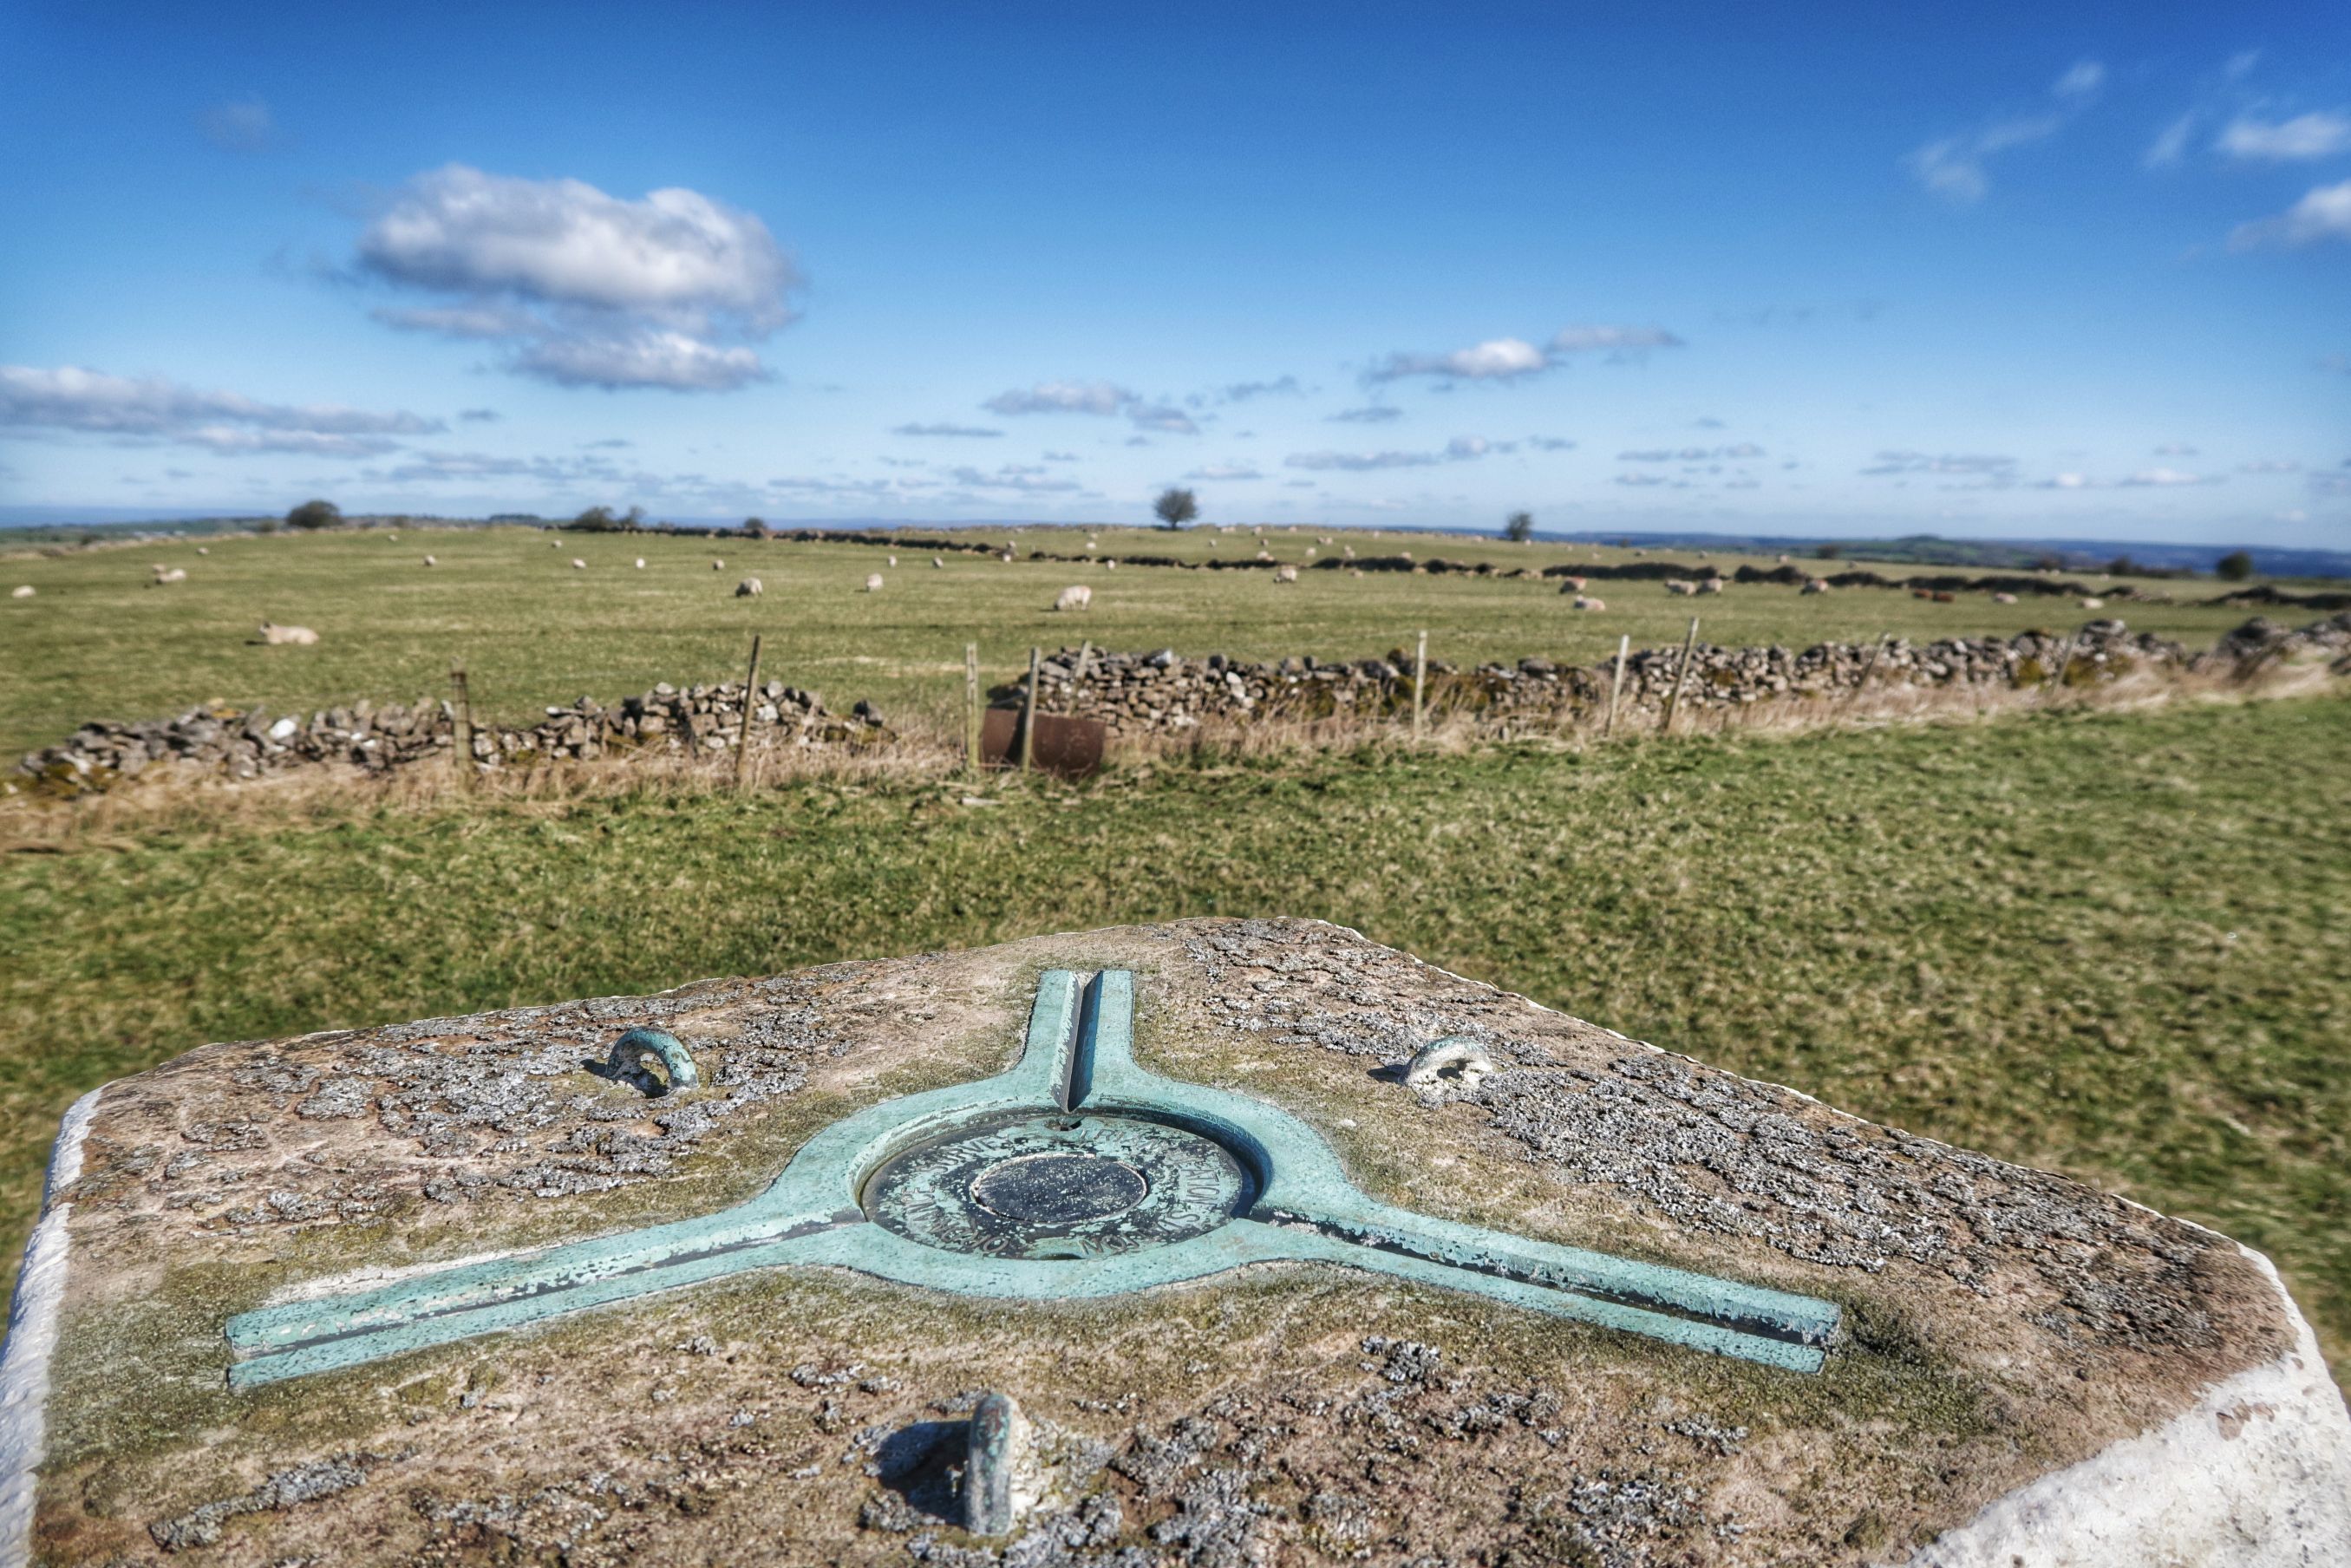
{"points": [[1165, 693], [240, 744], [1149, 694]]}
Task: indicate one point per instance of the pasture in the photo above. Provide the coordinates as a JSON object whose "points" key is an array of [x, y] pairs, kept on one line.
{"points": [[98, 642], [2114, 944]]}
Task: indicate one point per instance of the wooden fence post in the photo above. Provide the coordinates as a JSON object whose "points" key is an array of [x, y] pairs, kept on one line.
{"points": [[2055, 685], [1617, 687], [462, 739], [1419, 685], [971, 708], [1868, 669], [1028, 716], [743, 732], [1681, 678]]}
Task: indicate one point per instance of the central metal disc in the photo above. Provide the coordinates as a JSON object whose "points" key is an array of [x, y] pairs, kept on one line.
{"points": [[1070, 1186], [1059, 1189]]}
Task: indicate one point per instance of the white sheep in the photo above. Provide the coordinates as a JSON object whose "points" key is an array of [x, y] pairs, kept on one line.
{"points": [[1350, 550], [750, 587], [279, 636], [1005, 558], [173, 574], [1077, 596], [202, 550], [1709, 585], [2003, 599], [430, 562], [873, 582], [892, 559], [22, 590], [2094, 604], [1676, 585], [1310, 552], [1572, 584], [641, 563], [937, 565], [1584, 602], [1815, 585], [578, 565], [1285, 574], [718, 566], [1110, 565]]}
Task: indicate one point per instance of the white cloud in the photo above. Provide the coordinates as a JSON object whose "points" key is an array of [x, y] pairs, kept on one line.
{"points": [[2305, 137], [479, 415], [592, 289], [2323, 213], [241, 125], [1358, 462], [1551, 443], [1511, 359], [1023, 480], [1233, 471], [148, 408], [675, 361], [976, 431], [1587, 339], [1495, 359], [2086, 76], [2170, 144], [1061, 397], [1468, 448], [1639, 478], [2165, 478], [1975, 464], [1378, 413], [2064, 482], [1738, 450], [1953, 167], [1163, 416], [2270, 465], [1241, 392]]}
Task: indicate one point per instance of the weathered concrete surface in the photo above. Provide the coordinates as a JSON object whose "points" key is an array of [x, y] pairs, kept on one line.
{"points": [[2012, 1339]]}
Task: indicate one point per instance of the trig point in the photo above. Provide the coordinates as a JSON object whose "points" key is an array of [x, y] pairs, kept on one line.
{"points": [[1217, 1243]]}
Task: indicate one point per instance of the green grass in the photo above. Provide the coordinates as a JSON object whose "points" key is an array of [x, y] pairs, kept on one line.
{"points": [[2115, 944], [95, 642]]}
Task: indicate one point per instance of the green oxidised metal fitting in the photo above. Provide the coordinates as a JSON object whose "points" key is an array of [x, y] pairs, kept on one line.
{"points": [[630, 1051], [1073, 1174]]}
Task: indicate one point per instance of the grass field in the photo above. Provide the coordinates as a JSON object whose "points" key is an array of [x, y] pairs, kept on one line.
{"points": [[2115, 944], [95, 642]]}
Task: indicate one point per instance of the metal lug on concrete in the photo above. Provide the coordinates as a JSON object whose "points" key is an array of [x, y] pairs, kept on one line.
{"points": [[1001, 1442], [1465, 1057], [631, 1049]]}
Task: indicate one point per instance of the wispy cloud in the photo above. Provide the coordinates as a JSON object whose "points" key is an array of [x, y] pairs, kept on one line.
{"points": [[588, 289], [150, 409], [1377, 414], [1015, 477], [1225, 471], [977, 432], [2165, 478], [2323, 213], [1503, 359], [241, 125], [1978, 464], [1061, 397], [1953, 167], [1737, 450], [1460, 449], [1241, 392], [2299, 140]]}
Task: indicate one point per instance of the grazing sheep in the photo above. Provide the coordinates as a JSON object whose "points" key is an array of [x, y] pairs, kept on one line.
{"points": [[555, 544], [750, 587], [891, 560], [174, 574], [1005, 558], [1939, 597], [1075, 597], [1678, 585], [1586, 602], [718, 566], [1110, 565], [873, 582], [1350, 550], [1285, 574], [2094, 604], [1782, 559], [1813, 585], [1093, 544], [937, 565], [1709, 585], [280, 636], [2003, 599], [1310, 552], [430, 562], [22, 590], [578, 565], [1265, 555], [1573, 585], [202, 550], [1404, 554], [641, 563]]}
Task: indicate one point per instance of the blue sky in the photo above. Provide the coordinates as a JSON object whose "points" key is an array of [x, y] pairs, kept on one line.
{"points": [[2078, 271]]}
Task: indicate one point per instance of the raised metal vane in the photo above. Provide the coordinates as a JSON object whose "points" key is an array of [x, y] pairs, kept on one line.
{"points": [[1073, 1174]]}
